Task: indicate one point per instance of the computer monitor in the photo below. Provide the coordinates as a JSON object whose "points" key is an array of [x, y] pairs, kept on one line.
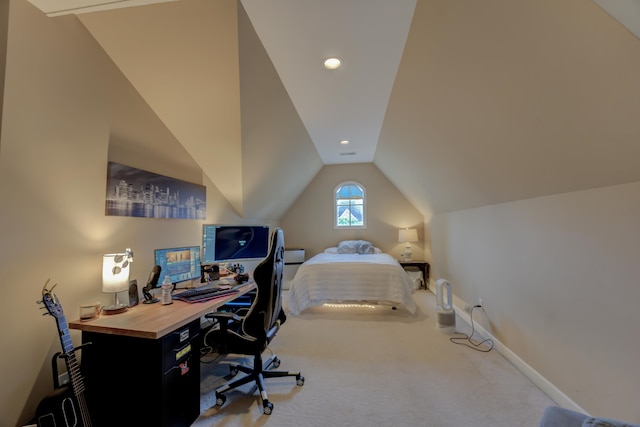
{"points": [[234, 242], [180, 263]]}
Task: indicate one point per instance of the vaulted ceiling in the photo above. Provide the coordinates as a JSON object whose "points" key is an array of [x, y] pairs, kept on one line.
{"points": [[460, 104]]}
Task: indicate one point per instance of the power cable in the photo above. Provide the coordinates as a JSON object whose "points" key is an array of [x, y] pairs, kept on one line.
{"points": [[466, 339]]}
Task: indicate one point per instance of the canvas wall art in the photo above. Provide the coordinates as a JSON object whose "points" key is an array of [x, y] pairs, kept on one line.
{"points": [[138, 193]]}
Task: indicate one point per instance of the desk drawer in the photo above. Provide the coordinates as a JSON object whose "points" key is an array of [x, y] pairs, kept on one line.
{"points": [[178, 345], [180, 336], [181, 397]]}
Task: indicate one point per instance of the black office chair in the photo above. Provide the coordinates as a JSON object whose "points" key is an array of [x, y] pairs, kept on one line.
{"points": [[250, 333]]}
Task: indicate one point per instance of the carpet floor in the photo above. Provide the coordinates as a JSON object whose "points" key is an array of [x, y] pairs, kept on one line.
{"points": [[376, 367]]}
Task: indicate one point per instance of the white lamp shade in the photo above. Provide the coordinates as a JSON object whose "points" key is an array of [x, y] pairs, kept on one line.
{"points": [[115, 272], [407, 235]]}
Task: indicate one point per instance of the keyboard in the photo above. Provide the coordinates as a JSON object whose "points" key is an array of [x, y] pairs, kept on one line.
{"points": [[200, 295]]}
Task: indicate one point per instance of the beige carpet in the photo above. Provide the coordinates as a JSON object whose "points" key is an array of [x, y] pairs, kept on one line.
{"points": [[378, 367]]}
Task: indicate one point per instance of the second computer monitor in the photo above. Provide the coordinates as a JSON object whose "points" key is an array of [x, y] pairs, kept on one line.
{"points": [[180, 263], [234, 242]]}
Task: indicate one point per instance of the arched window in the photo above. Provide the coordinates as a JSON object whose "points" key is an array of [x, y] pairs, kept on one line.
{"points": [[349, 209]]}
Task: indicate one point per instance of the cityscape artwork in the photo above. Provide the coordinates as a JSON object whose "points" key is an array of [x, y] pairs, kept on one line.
{"points": [[138, 193]]}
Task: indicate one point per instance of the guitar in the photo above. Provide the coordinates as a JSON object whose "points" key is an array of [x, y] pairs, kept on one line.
{"points": [[65, 407]]}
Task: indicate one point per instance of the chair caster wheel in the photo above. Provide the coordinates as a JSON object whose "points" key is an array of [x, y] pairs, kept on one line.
{"points": [[268, 408], [300, 380], [276, 363], [220, 399], [233, 371]]}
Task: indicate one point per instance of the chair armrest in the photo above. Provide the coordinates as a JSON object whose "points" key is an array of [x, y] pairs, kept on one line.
{"points": [[220, 315], [555, 416], [606, 422]]}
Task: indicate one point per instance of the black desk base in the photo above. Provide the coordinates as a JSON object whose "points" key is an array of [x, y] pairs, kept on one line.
{"points": [[157, 379]]}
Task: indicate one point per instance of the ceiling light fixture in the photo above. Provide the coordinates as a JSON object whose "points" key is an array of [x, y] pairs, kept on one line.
{"points": [[332, 63], [344, 142]]}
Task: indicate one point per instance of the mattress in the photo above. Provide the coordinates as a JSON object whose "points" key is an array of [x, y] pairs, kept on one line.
{"points": [[329, 277]]}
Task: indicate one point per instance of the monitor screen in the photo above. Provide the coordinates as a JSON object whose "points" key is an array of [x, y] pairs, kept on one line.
{"points": [[234, 242], [180, 264]]}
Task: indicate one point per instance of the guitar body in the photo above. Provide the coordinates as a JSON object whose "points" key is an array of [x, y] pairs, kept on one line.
{"points": [[67, 406], [59, 409]]}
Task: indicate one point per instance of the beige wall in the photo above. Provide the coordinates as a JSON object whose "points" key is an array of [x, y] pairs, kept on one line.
{"points": [[4, 28], [67, 112], [558, 276], [309, 222]]}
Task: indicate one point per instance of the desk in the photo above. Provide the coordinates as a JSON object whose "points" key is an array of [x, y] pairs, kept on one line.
{"points": [[150, 355]]}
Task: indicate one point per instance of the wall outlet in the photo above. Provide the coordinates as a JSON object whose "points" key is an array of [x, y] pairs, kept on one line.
{"points": [[63, 379], [480, 302]]}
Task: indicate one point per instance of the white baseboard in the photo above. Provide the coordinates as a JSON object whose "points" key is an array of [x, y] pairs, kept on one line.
{"points": [[545, 385]]}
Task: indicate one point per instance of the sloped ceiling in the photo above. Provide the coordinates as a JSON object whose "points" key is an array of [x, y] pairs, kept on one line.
{"points": [[497, 101], [344, 104], [493, 101], [182, 57]]}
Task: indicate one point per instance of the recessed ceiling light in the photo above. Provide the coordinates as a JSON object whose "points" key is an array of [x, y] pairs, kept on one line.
{"points": [[344, 142], [332, 63]]}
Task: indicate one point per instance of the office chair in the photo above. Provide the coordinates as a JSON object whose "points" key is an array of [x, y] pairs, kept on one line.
{"points": [[251, 333]]}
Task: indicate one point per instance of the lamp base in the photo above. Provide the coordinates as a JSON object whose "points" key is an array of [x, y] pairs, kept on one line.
{"points": [[406, 255], [114, 309]]}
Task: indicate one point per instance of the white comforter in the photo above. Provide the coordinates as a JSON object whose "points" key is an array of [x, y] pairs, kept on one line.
{"points": [[350, 277]]}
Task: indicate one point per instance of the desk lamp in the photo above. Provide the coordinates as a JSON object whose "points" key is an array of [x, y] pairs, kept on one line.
{"points": [[115, 278], [407, 235]]}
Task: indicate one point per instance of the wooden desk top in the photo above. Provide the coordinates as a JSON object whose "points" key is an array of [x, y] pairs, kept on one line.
{"points": [[154, 320]]}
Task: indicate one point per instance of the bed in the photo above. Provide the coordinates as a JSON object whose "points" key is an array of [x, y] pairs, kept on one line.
{"points": [[354, 271]]}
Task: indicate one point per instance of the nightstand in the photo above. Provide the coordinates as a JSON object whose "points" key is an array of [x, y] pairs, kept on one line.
{"points": [[293, 258], [422, 265]]}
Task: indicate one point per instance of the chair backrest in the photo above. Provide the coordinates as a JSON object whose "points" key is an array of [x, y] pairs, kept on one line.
{"points": [[266, 309]]}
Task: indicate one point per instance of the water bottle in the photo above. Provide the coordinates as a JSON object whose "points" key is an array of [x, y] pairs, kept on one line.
{"points": [[167, 287]]}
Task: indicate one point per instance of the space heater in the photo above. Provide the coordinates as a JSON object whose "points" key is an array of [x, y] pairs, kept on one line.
{"points": [[445, 314]]}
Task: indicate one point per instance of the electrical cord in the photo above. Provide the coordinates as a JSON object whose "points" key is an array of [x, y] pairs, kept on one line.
{"points": [[208, 352], [467, 341]]}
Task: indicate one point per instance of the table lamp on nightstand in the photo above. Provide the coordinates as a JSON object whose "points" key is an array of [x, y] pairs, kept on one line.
{"points": [[115, 278], [407, 235]]}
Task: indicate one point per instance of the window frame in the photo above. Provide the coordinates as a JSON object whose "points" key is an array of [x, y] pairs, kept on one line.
{"points": [[336, 189]]}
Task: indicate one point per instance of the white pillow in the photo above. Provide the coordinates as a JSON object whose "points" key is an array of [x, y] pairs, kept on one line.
{"points": [[355, 247], [365, 247], [348, 247], [334, 250]]}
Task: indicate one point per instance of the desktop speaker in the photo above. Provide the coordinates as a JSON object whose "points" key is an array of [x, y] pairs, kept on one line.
{"points": [[133, 293]]}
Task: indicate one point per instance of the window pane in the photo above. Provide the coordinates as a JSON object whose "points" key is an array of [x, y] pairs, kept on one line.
{"points": [[357, 215], [344, 216], [349, 205], [349, 191]]}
